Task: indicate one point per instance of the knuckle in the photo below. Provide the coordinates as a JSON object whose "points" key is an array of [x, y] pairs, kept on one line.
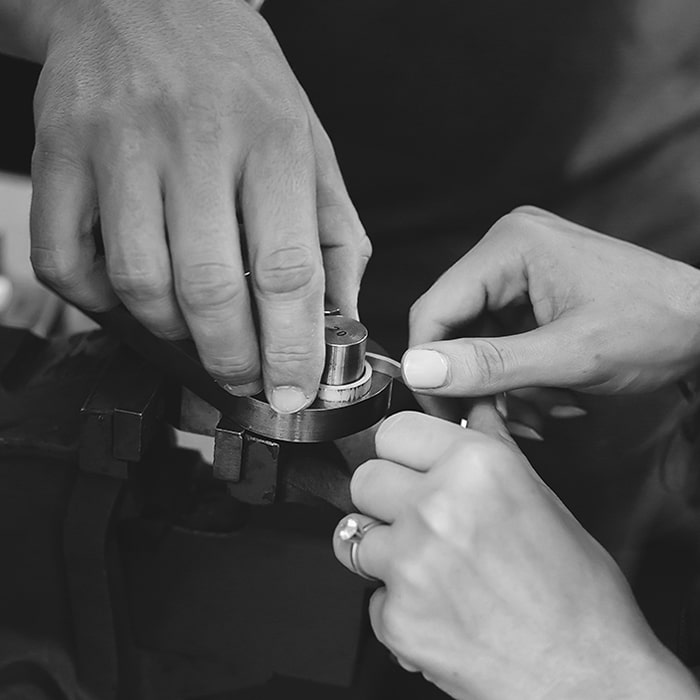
{"points": [[289, 352], [55, 151], [337, 214], [591, 351], [528, 210], [524, 220], [477, 470], [436, 511], [413, 572], [287, 270], [171, 330], [125, 146], [68, 122], [209, 287], [201, 116], [139, 285], [289, 129], [55, 268], [485, 361], [365, 247], [232, 368]]}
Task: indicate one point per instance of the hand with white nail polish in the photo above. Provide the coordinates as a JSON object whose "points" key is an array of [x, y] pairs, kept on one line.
{"points": [[610, 316], [167, 121], [492, 589]]}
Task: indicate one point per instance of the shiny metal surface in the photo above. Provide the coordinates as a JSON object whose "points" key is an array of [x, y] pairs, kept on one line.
{"points": [[322, 421], [346, 343], [347, 393]]}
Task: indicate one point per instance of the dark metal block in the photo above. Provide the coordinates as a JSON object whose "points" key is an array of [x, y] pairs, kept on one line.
{"points": [[260, 474], [228, 451]]}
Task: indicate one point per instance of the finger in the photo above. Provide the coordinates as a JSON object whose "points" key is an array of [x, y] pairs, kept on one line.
{"points": [[485, 417], [279, 209], [377, 603], [489, 277], [548, 356], [524, 417], [63, 215], [373, 549], [382, 489], [208, 269], [345, 246], [454, 409], [415, 440], [553, 402], [133, 231], [450, 409]]}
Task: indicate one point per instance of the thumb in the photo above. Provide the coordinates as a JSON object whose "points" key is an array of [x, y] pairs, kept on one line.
{"points": [[547, 356]]}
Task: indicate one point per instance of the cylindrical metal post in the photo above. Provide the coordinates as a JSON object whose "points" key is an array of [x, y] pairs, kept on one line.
{"points": [[346, 342]]}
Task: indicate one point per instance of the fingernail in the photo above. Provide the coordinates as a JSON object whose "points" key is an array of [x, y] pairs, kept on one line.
{"points": [[5, 292], [424, 369], [249, 389], [288, 399], [501, 403], [567, 412], [524, 431]]}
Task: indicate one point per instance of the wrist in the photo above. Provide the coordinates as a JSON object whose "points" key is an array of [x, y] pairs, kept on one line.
{"points": [[25, 27], [664, 676], [644, 674]]}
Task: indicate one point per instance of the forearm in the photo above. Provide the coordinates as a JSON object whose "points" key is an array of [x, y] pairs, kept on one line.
{"points": [[24, 28]]}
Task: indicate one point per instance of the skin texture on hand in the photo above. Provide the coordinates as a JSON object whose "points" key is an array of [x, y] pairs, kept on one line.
{"points": [[166, 121], [491, 588], [610, 316]]}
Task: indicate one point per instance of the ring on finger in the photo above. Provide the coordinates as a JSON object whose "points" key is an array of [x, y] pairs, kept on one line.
{"points": [[353, 531]]}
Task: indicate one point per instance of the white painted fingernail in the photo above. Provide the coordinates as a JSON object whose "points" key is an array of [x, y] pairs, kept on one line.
{"points": [[567, 411], [501, 403], [521, 430], [288, 399], [249, 389], [424, 369]]}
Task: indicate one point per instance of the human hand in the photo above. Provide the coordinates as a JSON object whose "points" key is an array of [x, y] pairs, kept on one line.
{"points": [[492, 589], [611, 317], [162, 119]]}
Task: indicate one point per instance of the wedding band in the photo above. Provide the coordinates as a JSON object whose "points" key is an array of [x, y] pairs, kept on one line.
{"points": [[353, 532]]}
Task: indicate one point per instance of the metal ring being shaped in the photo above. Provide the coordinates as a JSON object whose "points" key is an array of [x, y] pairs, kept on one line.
{"points": [[322, 421], [353, 532]]}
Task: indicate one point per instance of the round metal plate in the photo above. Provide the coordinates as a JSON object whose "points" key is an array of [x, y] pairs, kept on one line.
{"points": [[320, 422]]}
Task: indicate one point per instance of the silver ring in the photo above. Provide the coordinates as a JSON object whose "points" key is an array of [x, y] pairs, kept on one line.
{"points": [[353, 532]]}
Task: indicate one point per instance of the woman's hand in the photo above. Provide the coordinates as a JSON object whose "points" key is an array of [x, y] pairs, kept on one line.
{"points": [[164, 118], [611, 316], [492, 588]]}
